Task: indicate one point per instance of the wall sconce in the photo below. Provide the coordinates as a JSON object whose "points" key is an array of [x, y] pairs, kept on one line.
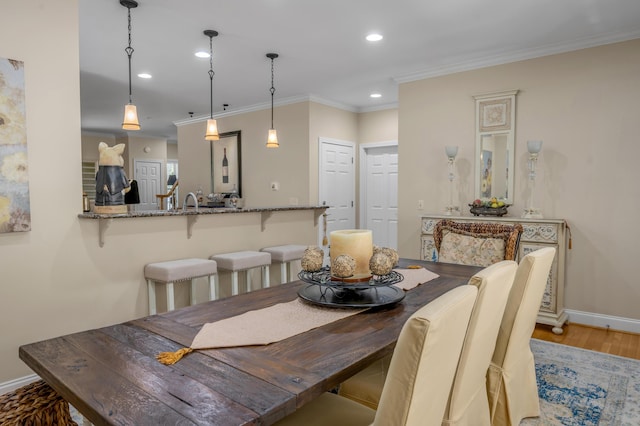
{"points": [[130, 121], [534, 148], [451, 151]]}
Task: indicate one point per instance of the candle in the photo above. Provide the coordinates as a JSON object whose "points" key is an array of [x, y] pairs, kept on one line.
{"points": [[357, 243]]}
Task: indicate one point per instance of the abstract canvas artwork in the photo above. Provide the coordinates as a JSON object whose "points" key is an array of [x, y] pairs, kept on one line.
{"points": [[15, 211]]}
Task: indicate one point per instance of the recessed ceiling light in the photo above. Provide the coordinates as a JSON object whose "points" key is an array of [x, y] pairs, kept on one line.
{"points": [[144, 75], [202, 54], [374, 37], [375, 95]]}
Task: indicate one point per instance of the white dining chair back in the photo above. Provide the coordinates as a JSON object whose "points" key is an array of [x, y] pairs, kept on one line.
{"points": [[511, 379], [468, 403]]}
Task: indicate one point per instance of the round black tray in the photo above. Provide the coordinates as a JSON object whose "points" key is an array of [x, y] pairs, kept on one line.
{"points": [[342, 297], [323, 277], [331, 291]]}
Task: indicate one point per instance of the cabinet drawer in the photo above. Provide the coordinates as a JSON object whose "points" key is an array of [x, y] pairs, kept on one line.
{"points": [[540, 232]]}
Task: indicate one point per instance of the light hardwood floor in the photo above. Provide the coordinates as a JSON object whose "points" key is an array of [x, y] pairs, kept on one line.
{"points": [[613, 342]]}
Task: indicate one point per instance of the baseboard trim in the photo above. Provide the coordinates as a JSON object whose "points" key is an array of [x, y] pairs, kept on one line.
{"points": [[599, 320], [14, 384]]}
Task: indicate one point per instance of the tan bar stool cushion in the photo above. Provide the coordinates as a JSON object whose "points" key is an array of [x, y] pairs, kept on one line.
{"points": [[179, 270], [243, 261], [284, 255]]}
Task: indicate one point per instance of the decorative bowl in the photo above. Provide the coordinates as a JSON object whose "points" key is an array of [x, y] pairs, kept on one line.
{"points": [[488, 211]]}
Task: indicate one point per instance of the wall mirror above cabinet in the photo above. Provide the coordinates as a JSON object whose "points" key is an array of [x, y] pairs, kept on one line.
{"points": [[495, 140]]}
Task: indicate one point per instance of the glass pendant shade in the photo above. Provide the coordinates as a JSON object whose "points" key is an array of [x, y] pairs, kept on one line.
{"points": [[130, 121], [212, 130], [272, 139]]}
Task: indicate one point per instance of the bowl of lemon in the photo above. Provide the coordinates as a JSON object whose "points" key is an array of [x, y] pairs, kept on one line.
{"points": [[488, 207]]}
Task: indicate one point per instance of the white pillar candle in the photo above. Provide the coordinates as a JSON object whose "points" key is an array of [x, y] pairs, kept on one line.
{"points": [[357, 243]]}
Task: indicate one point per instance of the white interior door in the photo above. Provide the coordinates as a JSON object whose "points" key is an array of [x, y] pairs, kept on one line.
{"points": [[148, 173], [379, 192], [337, 182]]}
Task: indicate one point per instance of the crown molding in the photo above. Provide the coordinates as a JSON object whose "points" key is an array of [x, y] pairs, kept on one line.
{"points": [[382, 107], [519, 55], [243, 110]]}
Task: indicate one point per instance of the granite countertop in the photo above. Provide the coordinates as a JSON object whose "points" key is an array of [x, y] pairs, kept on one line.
{"points": [[190, 211]]}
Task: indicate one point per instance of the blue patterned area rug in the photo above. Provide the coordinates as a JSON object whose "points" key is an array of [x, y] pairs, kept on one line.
{"points": [[578, 387]]}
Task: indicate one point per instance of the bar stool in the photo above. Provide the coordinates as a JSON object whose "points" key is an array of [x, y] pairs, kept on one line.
{"points": [[180, 270], [285, 255], [244, 261]]}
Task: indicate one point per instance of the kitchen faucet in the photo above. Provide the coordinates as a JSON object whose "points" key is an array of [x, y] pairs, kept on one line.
{"points": [[184, 205]]}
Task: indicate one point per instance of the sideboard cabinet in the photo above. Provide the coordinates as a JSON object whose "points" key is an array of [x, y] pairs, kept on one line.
{"points": [[537, 233]]}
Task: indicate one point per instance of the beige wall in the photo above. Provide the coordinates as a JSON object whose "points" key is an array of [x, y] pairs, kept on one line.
{"points": [[378, 126], [584, 106], [90, 145], [135, 150], [260, 165]]}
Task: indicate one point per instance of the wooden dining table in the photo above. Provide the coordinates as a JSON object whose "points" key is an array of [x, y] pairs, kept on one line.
{"points": [[112, 377]]}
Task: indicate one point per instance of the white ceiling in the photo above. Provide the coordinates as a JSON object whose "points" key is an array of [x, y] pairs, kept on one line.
{"points": [[322, 47]]}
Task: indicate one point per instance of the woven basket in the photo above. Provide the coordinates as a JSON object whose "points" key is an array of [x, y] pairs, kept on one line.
{"points": [[35, 404]]}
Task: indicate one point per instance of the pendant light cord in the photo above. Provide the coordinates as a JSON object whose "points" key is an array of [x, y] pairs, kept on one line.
{"points": [[129, 51], [211, 73], [272, 90]]}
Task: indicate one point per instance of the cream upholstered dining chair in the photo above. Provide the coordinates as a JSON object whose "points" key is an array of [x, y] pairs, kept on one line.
{"points": [[420, 374], [476, 243], [468, 404], [511, 379]]}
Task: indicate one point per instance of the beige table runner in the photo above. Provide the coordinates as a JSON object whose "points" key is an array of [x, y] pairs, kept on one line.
{"points": [[415, 277], [267, 325], [277, 322]]}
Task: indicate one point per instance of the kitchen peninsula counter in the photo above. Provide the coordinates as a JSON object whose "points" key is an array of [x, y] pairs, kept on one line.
{"points": [[191, 211], [193, 215]]}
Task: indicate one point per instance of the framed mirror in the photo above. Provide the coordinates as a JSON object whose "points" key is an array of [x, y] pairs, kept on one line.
{"points": [[495, 140], [226, 164]]}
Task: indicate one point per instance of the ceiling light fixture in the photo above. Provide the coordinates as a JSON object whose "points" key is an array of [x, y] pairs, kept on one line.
{"points": [[375, 95], [144, 75], [202, 54], [212, 125], [272, 139], [130, 121], [374, 37]]}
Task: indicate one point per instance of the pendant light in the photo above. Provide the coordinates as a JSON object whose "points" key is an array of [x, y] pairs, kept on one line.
{"points": [[272, 139], [130, 121], [212, 126]]}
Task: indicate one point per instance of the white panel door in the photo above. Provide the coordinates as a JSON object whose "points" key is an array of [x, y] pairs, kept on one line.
{"points": [[337, 184], [149, 177], [380, 188]]}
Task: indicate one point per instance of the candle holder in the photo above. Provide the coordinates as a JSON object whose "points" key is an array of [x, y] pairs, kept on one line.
{"points": [[534, 148], [451, 209]]}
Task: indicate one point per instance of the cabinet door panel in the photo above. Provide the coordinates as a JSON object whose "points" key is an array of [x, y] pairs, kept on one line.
{"points": [[549, 299]]}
